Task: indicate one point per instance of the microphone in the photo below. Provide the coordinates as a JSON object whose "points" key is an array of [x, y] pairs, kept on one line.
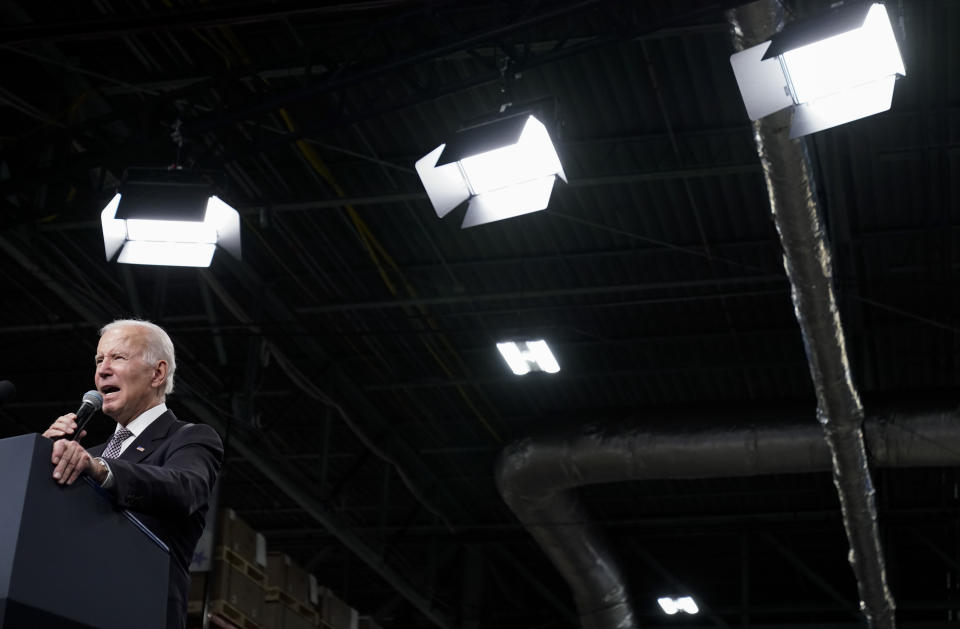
{"points": [[7, 391], [92, 401]]}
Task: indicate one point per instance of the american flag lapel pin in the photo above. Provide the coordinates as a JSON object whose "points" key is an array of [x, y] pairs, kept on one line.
{"points": [[139, 448]]}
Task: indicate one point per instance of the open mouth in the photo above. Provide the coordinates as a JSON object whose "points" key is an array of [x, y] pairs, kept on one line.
{"points": [[107, 390]]}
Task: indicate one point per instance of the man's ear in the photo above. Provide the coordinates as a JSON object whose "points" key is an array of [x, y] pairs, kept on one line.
{"points": [[159, 374]]}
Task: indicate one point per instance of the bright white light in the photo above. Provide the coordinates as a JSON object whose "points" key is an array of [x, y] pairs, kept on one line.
{"points": [[511, 353], [684, 604], [522, 198], [843, 61], [668, 605], [829, 82], [504, 182], [533, 356], [170, 231], [532, 157], [843, 107], [170, 243], [167, 253], [540, 353]]}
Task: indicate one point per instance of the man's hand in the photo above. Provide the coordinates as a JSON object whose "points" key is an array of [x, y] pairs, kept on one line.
{"points": [[70, 460], [65, 425]]}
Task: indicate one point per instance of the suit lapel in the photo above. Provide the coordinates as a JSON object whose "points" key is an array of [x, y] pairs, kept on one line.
{"points": [[148, 440]]}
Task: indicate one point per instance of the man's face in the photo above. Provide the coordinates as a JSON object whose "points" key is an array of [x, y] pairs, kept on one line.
{"points": [[128, 384]]}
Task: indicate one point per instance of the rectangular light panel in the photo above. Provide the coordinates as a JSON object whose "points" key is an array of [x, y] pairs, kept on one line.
{"points": [[524, 357], [193, 254], [844, 61]]}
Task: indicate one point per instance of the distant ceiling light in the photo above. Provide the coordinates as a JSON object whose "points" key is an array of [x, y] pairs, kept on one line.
{"points": [[528, 356], [170, 218], [505, 168], [686, 603], [834, 68], [671, 606]]}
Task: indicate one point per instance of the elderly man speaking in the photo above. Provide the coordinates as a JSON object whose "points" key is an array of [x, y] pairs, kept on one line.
{"points": [[158, 467]]}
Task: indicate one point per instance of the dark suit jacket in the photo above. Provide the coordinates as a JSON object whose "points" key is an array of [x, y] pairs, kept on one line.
{"points": [[167, 485]]}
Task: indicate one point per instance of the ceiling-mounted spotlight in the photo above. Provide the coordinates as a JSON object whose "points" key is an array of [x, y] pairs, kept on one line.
{"points": [[168, 217], [834, 68], [671, 606], [526, 356], [505, 168]]}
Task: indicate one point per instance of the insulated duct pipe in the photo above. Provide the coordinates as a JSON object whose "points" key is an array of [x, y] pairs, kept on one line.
{"points": [[538, 479], [806, 257]]}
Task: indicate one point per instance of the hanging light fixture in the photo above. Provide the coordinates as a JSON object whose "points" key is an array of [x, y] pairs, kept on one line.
{"points": [[833, 68], [168, 217], [526, 356], [505, 168], [671, 606]]}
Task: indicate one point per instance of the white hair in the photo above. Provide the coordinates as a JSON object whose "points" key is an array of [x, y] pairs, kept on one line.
{"points": [[159, 346]]}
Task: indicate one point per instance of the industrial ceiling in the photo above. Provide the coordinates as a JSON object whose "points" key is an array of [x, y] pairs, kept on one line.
{"points": [[349, 360]]}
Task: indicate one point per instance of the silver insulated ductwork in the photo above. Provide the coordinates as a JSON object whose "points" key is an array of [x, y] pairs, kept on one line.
{"points": [[538, 478]]}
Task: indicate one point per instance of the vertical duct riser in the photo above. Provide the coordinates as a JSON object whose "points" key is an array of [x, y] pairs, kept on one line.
{"points": [[806, 256]]}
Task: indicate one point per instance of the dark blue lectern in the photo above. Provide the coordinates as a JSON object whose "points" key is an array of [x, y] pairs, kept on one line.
{"points": [[68, 557]]}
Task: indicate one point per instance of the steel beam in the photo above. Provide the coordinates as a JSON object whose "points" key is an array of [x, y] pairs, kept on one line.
{"points": [[513, 296], [637, 374], [233, 15], [582, 182]]}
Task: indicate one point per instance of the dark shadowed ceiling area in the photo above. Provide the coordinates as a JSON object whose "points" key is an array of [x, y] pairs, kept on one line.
{"points": [[349, 358]]}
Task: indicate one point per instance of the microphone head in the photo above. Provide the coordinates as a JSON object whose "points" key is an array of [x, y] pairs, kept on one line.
{"points": [[93, 398], [7, 391]]}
